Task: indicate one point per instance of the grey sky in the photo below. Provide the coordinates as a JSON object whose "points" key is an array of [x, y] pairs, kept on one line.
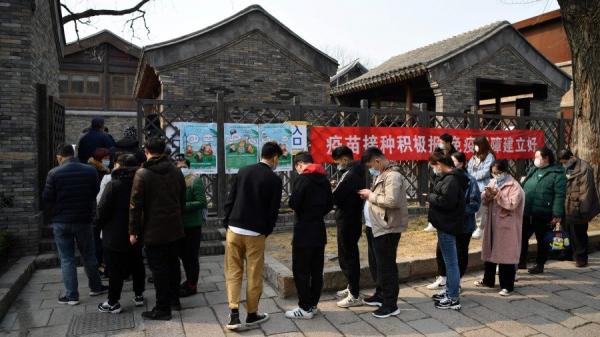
{"points": [[374, 30]]}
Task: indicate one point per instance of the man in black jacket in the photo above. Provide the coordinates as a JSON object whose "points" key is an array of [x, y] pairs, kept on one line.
{"points": [[93, 139], [70, 191], [311, 200], [251, 211], [128, 144], [348, 218], [156, 217], [121, 257]]}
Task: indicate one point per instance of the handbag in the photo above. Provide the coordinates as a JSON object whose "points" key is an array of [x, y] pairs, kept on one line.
{"points": [[558, 239]]}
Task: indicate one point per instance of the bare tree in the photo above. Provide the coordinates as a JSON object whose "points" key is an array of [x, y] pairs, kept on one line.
{"points": [[581, 19], [344, 57], [85, 16]]}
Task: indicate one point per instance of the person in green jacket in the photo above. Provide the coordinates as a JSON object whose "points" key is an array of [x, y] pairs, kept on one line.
{"points": [[194, 218], [545, 189]]}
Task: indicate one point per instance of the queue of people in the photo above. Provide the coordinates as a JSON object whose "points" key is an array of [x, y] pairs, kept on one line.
{"points": [[155, 207]]}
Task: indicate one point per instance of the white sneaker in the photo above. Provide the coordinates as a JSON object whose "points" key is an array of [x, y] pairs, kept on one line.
{"points": [[298, 313], [429, 228], [342, 293], [350, 301], [477, 234], [315, 311], [504, 292], [439, 282]]}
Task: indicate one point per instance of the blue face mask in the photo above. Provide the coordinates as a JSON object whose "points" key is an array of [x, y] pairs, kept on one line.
{"points": [[500, 178], [374, 172]]}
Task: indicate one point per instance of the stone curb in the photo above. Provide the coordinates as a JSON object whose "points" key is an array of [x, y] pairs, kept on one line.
{"points": [[409, 269], [13, 281]]}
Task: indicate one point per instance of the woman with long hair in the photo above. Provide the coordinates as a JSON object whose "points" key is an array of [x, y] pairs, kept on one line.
{"points": [[480, 168]]}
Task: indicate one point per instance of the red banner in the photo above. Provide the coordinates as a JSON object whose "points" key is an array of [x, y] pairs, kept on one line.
{"points": [[417, 143]]}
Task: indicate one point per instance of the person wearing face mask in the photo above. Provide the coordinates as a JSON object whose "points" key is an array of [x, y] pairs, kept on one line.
{"points": [[251, 212], [463, 238], [581, 205], [447, 214], [100, 161], [504, 223], [479, 167], [194, 218], [545, 190], [388, 215], [348, 221], [311, 200]]}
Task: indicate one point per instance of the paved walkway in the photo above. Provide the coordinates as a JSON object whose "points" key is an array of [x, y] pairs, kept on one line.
{"points": [[564, 301]]}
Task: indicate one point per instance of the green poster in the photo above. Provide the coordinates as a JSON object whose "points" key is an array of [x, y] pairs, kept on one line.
{"points": [[241, 146], [198, 143]]}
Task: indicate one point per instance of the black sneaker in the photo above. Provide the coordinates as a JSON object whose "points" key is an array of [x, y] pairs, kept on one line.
{"points": [[176, 305], [256, 319], [69, 301], [150, 279], [374, 301], [522, 265], [234, 321], [102, 290], [386, 312], [139, 301], [537, 269], [439, 296], [113, 309], [157, 315], [185, 290], [448, 303]]}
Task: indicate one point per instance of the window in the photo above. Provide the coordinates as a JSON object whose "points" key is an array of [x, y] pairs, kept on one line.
{"points": [[77, 82], [63, 84], [92, 85]]}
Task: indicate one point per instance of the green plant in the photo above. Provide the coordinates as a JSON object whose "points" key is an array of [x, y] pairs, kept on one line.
{"points": [[4, 243]]}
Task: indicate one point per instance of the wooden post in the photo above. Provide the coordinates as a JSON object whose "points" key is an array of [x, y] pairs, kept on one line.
{"points": [[140, 118], [521, 163], [408, 97], [422, 167], [364, 118], [561, 134], [498, 105], [221, 175]]}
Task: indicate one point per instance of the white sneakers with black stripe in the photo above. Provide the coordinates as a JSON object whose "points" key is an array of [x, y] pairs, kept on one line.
{"points": [[298, 313]]}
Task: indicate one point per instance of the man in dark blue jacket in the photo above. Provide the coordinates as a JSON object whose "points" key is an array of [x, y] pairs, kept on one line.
{"points": [[93, 139], [70, 191]]}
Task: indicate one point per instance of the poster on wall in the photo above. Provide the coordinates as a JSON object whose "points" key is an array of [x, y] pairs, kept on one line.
{"points": [[282, 135], [198, 144], [299, 136], [241, 146]]}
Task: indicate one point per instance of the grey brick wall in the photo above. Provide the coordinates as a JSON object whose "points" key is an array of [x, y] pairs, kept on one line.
{"points": [[251, 70], [27, 56], [459, 93], [75, 123]]}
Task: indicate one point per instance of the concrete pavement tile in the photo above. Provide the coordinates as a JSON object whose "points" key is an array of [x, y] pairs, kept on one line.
{"points": [[550, 313], [65, 314], [590, 330], [482, 314], [485, 332], [194, 301], [454, 319], [359, 329], [588, 314], [317, 327], [337, 315], [32, 319], [8, 321], [412, 296], [410, 313], [432, 327], [581, 298], [54, 331], [127, 333], [216, 297], [391, 326], [172, 328], [546, 327], [511, 328], [200, 322], [268, 305], [277, 324]]}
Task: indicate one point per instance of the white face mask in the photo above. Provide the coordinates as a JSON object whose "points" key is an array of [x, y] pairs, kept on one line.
{"points": [[441, 146], [538, 163], [476, 148], [185, 171], [105, 162]]}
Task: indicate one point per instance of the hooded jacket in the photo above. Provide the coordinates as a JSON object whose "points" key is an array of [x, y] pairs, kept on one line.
{"points": [[157, 202], [545, 191], [126, 146], [113, 210], [195, 202], [447, 202], [349, 205], [581, 204], [311, 200]]}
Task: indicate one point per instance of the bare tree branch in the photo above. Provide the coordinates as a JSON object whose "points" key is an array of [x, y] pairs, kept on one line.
{"points": [[97, 12]]}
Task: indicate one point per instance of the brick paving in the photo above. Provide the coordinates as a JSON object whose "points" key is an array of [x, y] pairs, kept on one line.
{"points": [[564, 301]]}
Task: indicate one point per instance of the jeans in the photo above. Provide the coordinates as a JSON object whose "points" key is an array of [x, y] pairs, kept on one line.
{"points": [[189, 254], [349, 258], [447, 244], [386, 247], [66, 237], [540, 226], [372, 260], [578, 237], [121, 265], [163, 261], [307, 267], [462, 249], [506, 275]]}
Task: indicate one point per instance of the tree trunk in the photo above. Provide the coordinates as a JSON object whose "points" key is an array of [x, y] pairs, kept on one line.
{"points": [[581, 19]]}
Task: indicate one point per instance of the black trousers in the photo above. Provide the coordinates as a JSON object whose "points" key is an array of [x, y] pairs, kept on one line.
{"points": [[349, 256], [120, 266], [190, 248], [540, 226], [372, 260], [506, 275], [462, 249], [163, 261], [385, 248], [307, 267], [98, 246], [578, 237]]}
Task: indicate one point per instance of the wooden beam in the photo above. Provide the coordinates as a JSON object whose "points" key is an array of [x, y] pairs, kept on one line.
{"points": [[499, 105]]}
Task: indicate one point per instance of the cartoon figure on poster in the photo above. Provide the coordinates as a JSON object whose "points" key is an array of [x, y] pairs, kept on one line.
{"points": [[282, 135], [199, 146], [241, 146]]}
